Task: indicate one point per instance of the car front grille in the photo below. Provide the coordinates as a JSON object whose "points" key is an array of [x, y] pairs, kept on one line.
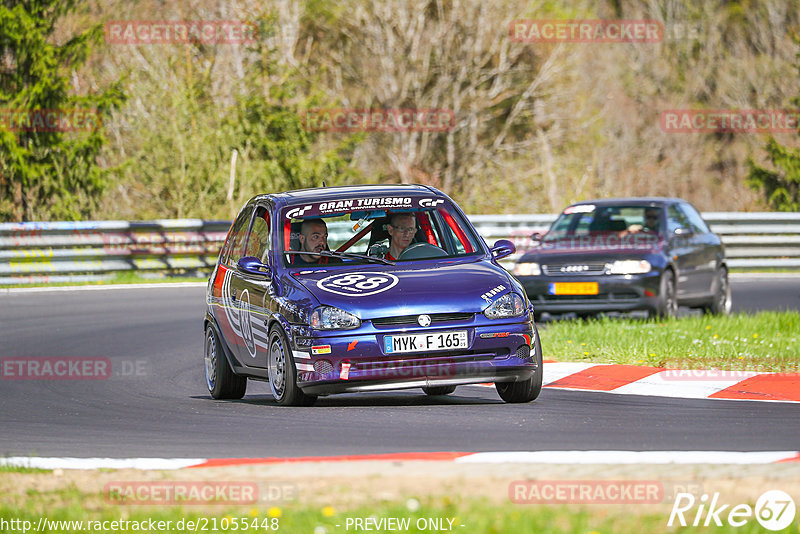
{"points": [[412, 319], [573, 269]]}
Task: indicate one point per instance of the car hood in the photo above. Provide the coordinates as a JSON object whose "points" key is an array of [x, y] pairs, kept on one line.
{"points": [[559, 252], [370, 291]]}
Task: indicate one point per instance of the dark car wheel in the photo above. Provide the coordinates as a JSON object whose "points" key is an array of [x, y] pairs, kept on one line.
{"points": [[439, 390], [283, 373], [221, 381], [721, 303], [667, 304], [524, 390]]}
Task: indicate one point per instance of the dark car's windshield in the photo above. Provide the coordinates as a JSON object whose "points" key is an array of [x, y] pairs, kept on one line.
{"points": [[325, 233], [593, 221]]}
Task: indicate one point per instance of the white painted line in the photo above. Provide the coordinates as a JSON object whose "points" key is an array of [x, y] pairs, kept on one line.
{"points": [[102, 287], [671, 384], [556, 371], [100, 463], [629, 457]]}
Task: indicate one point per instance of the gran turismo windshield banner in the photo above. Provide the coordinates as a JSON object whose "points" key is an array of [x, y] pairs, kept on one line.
{"points": [[331, 207]]}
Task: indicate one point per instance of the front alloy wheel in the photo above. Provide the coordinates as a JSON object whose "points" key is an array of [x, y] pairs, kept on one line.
{"points": [[721, 303], [283, 372], [667, 304], [524, 390]]}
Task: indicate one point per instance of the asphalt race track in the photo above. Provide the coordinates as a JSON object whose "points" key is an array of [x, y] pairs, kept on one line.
{"points": [[155, 404]]}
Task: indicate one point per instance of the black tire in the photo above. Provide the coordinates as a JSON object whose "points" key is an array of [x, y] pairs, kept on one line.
{"points": [[524, 390], [439, 390], [667, 304], [221, 381], [721, 303], [282, 372]]}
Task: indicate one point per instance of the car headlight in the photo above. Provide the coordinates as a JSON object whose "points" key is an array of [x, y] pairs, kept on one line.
{"points": [[509, 305], [330, 318], [628, 267], [527, 269]]}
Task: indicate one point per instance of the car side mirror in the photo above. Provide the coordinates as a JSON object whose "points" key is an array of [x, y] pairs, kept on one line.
{"points": [[252, 265], [537, 237], [502, 248], [683, 232]]}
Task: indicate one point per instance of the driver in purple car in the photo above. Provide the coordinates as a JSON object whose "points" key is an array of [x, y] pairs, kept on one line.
{"points": [[401, 229], [313, 238]]}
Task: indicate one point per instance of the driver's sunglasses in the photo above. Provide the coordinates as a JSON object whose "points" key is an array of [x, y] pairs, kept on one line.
{"points": [[405, 229]]}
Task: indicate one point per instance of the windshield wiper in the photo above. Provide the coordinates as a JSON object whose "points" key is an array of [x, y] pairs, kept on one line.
{"points": [[334, 254]]}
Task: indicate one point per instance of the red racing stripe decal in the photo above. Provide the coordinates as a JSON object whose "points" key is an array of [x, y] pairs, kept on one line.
{"points": [[402, 456], [605, 377]]}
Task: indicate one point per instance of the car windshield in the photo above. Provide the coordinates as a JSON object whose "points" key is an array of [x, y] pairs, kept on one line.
{"points": [[335, 232], [589, 220]]}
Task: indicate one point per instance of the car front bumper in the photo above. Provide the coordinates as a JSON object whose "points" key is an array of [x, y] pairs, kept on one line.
{"points": [[621, 293], [343, 363]]}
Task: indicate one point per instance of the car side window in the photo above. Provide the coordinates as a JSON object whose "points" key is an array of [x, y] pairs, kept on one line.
{"points": [[699, 226], [234, 246], [676, 219], [258, 240]]}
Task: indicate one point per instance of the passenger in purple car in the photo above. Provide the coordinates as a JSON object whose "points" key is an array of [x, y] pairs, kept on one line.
{"points": [[401, 230]]}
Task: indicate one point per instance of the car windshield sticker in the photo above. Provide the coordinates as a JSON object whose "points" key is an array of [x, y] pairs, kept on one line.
{"points": [[581, 208], [359, 284], [430, 202], [319, 209]]}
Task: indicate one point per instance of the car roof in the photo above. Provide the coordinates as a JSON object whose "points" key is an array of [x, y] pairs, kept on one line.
{"points": [[629, 201], [322, 194]]}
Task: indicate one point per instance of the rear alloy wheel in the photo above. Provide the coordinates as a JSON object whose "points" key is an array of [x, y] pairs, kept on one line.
{"points": [[667, 304], [283, 373], [524, 390], [721, 304], [439, 390], [221, 381]]}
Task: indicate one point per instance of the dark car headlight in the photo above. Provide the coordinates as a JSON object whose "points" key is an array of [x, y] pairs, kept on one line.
{"points": [[527, 269], [330, 318], [509, 305], [629, 267]]}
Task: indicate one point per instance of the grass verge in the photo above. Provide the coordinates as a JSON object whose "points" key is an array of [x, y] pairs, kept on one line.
{"points": [[67, 512], [766, 341]]}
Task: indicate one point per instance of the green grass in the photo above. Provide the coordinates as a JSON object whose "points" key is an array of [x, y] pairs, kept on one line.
{"points": [[766, 341], [125, 277], [19, 469], [477, 516]]}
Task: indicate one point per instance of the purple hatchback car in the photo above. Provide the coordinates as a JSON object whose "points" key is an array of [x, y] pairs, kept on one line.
{"points": [[365, 288]]}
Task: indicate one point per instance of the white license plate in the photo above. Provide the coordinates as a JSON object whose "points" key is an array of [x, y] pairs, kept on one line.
{"points": [[426, 342]]}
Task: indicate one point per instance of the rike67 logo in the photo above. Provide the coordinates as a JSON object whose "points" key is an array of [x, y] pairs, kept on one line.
{"points": [[774, 510]]}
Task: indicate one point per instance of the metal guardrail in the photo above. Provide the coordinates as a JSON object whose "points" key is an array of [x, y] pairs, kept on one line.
{"points": [[43, 252]]}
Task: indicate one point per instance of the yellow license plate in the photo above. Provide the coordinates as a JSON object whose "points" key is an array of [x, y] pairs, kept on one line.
{"points": [[573, 288]]}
